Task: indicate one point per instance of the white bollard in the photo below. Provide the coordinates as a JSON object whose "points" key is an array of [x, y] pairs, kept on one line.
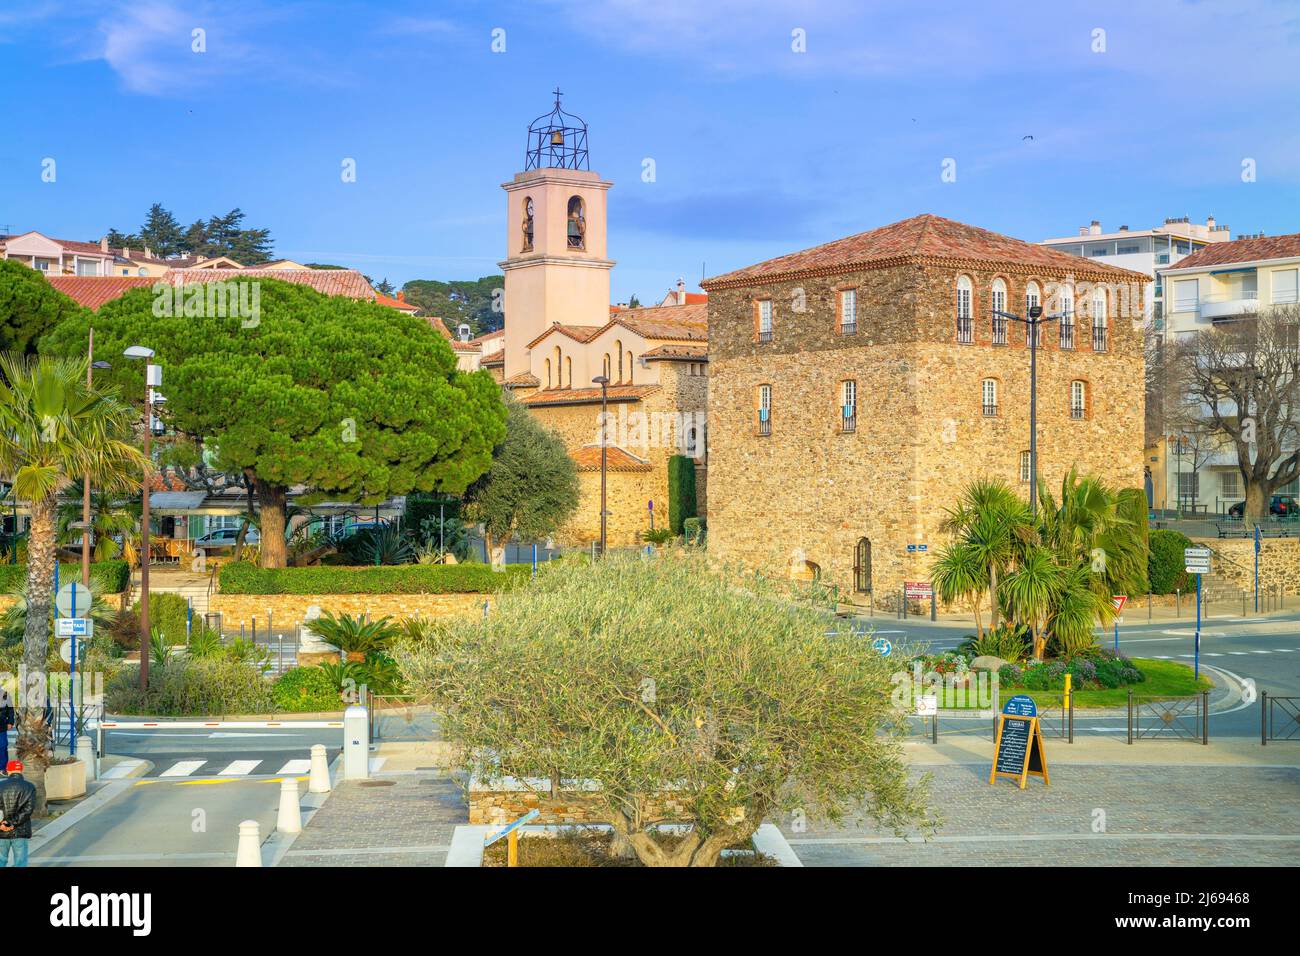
{"points": [[250, 845], [86, 754], [290, 818], [320, 771], [356, 744]]}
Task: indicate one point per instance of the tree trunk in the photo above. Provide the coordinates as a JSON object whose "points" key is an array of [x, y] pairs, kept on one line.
{"points": [[496, 548], [273, 499], [33, 734], [993, 597], [1258, 497]]}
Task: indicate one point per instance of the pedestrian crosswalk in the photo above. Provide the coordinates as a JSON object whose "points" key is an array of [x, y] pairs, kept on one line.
{"points": [[279, 765]]}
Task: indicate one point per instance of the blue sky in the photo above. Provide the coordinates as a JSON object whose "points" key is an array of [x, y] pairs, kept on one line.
{"points": [[759, 150]]}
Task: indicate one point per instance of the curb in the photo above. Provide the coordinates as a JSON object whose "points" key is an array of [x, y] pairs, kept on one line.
{"points": [[278, 844]]}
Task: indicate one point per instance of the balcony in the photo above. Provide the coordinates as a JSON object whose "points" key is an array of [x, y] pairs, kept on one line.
{"points": [[1230, 305], [765, 335]]}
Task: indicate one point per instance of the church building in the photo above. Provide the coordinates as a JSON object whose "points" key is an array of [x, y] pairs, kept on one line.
{"points": [[562, 334]]}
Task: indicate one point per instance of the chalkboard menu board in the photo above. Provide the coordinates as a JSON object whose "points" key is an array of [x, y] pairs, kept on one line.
{"points": [[1019, 749]]}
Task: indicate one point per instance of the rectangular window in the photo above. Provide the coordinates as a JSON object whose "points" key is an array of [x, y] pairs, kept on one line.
{"points": [[1286, 287], [1026, 467], [1067, 329], [765, 320], [1230, 484], [765, 409], [990, 397], [849, 406], [848, 311], [1078, 400], [1099, 342], [1189, 485], [1187, 295], [1127, 250], [999, 304]]}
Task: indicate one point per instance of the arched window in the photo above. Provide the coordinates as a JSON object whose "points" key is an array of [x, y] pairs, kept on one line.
{"points": [[528, 224], [577, 223], [989, 396], [1099, 322], [1067, 315], [1078, 399], [605, 371], [618, 348], [965, 325], [862, 566], [630, 374], [998, 303], [568, 368], [548, 373], [1033, 298], [692, 442]]}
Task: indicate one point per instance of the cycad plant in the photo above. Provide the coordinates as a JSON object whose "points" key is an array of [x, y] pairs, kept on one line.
{"points": [[355, 636]]}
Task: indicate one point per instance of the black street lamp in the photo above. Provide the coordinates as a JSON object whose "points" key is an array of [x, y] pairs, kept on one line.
{"points": [[1031, 323], [152, 378], [603, 382]]}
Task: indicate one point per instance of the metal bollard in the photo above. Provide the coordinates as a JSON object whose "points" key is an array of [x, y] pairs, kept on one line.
{"points": [[289, 819], [320, 771], [250, 845]]}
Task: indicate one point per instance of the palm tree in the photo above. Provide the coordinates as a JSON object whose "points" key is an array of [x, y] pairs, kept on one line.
{"points": [[1031, 592], [960, 574], [996, 526], [110, 517], [54, 430]]}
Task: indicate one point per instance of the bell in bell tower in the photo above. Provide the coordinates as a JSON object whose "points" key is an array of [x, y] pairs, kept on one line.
{"points": [[555, 267]]}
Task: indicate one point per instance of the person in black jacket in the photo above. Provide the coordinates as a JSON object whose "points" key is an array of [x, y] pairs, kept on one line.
{"points": [[17, 801]]}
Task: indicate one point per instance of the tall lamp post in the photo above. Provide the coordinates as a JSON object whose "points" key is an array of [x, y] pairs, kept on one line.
{"points": [[84, 524], [152, 379], [1031, 324], [603, 382]]}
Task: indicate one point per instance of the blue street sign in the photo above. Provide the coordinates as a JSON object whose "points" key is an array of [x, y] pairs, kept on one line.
{"points": [[883, 646], [1022, 705], [505, 831]]}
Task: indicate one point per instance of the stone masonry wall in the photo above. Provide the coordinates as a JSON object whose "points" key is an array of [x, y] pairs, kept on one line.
{"points": [[809, 491], [1234, 562], [288, 610]]}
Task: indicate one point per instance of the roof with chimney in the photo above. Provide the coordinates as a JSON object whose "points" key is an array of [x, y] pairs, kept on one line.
{"points": [[922, 240]]}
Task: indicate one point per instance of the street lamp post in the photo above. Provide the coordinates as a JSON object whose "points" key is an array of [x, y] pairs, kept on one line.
{"points": [[91, 365], [1032, 323], [152, 378], [603, 382]]}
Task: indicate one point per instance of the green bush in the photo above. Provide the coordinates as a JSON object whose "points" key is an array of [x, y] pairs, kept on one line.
{"points": [[1165, 564], [167, 613], [694, 530], [107, 577], [246, 578], [183, 687], [306, 689], [681, 491]]}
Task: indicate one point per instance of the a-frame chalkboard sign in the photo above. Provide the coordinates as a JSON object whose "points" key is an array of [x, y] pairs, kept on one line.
{"points": [[1018, 750]]}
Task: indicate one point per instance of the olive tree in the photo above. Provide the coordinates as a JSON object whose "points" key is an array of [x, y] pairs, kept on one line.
{"points": [[661, 690]]}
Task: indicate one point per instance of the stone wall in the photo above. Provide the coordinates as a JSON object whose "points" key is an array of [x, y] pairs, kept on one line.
{"points": [[1234, 563], [804, 495], [288, 610]]}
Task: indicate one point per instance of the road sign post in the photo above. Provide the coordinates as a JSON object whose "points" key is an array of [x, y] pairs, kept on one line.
{"points": [[1118, 600], [1197, 561], [1257, 569], [67, 600]]}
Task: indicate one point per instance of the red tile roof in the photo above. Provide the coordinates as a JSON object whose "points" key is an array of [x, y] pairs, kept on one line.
{"points": [[678, 352], [582, 396], [398, 304], [587, 458], [457, 345], [678, 323], [579, 333], [94, 291], [1243, 250], [522, 380], [928, 240], [347, 282], [494, 358]]}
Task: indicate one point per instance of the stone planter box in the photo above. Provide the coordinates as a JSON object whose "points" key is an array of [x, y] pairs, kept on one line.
{"points": [[467, 843], [65, 781]]}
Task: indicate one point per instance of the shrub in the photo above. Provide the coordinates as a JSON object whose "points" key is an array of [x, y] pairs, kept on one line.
{"points": [[694, 530], [354, 635], [1010, 643], [241, 577], [183, 687], [305, 689], [106, 577], [588, 674], [657, 536], [1165, 564], [167, 615], [681, 491]]}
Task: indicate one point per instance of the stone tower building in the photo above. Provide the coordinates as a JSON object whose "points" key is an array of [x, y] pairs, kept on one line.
{"points": [[856, 387]]}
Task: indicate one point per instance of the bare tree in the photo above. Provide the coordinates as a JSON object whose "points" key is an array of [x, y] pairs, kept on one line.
{"points": [[1241, 380]]}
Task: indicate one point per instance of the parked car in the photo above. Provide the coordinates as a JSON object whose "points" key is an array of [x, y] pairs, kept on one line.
{"points": [[225, 538], [1284, 506]]}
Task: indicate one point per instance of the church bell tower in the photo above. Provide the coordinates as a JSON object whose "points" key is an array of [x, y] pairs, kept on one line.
{"points": [[555, 266]]}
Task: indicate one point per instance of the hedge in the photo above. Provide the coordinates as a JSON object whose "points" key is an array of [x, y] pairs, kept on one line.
{"points": [[245, 578], [681, 491], [110, 577], [1165, 564]]}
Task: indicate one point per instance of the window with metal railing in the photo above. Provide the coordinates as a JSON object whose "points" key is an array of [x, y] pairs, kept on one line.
{"points": [[849, 406], [848, 311], [965, 325], [1099, 339], [765, 409], [765, 320], [1067, 330], [1078, 400], [989, 394]]}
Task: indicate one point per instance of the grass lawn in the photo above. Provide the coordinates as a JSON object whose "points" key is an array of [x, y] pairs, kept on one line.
{"points": [[1164, 679]]}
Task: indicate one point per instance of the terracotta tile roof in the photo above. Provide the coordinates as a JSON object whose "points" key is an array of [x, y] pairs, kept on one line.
{"points": [[697, 298], [587, 458], [94, 291], [929, 240], [678, 323], [494, 358], [499, 333], [690, 353], [579, 333], [522, 380], [457, 345], [1243, 250], [347, 282], [582, 396], [398, 304]]}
